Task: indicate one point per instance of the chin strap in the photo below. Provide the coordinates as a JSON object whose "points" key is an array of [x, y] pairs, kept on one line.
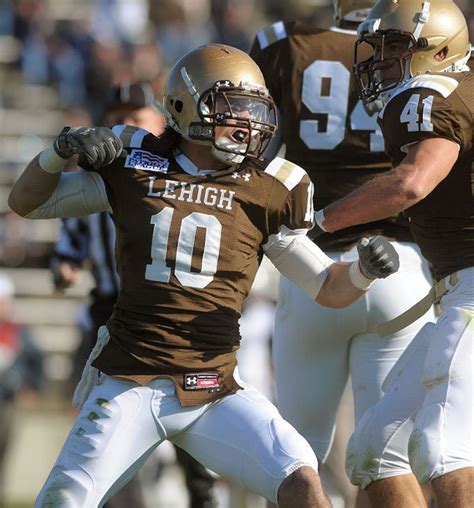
{"points": [[227, 157], [422, 19]]}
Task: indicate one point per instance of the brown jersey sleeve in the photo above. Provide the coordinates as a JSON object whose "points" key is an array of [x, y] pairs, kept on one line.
{"points": [[291, 199], [270, 51]]}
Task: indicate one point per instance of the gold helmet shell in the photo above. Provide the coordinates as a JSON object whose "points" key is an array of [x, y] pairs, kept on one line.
{"points": [[352, 11], [208, 88], [428, 28]]}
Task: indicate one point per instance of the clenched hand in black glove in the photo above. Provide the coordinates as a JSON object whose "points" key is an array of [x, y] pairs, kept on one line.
{"points": [[98, 145], [377, 257]]}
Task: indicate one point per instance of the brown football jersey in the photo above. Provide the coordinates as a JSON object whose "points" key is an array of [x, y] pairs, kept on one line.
{"points": [[324, 125], [438, 106], [188, 246]]}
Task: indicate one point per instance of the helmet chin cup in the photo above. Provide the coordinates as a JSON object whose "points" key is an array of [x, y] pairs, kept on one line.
{"points": [[226, 157], [373, 107], [226, 145]]}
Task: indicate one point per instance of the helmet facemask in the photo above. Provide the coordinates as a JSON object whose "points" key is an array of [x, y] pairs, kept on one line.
{"points": [[408, 38], [238, 121], [384, 70]]}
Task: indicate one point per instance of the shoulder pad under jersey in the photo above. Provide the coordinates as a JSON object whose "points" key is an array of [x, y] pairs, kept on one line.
{"points": [[444, 85], [287, 173], [132, 137], [271, 34]]}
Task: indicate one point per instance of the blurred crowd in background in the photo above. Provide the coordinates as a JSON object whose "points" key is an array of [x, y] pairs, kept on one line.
{"points": [[58, 59], [80, 49], [58, 62]]}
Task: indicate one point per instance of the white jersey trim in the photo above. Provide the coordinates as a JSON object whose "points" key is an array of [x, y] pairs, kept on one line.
{"points": [[271, 34], [188, 166], [136, 140], [289, 174], [441, 84], [118, 129]]}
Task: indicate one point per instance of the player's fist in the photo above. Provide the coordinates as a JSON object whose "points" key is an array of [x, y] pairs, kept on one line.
{"points": [[377, 257], [98, 145]]}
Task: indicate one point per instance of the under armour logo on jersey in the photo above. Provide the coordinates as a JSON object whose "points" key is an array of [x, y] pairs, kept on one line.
{"points": [[245, 176], [202, 381]]}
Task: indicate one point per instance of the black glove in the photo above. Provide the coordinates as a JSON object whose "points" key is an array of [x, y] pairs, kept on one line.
{"points": [[377, 257], [98, 145]]}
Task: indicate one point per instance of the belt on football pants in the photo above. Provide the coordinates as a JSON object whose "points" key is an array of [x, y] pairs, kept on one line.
{"points": [[420, 308]]}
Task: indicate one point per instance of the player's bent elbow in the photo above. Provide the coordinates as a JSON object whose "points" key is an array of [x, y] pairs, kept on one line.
{"points": [[336, 299], [414, 184], [338, 291], [413, 191], [16, 205]]}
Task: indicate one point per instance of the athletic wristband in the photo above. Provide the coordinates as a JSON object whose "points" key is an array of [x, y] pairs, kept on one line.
{"points": [[319, 219], [50, 161], [359, 280]]}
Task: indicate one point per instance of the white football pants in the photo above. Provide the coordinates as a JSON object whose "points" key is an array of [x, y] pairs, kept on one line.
{"points": [[315, 348], [424, 422], [241, 437]]}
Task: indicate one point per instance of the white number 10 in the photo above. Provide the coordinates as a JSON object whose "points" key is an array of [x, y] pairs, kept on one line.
{"points": [[158, 271]]}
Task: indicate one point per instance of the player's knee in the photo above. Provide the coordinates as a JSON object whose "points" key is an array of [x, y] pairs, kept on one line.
{"points": [[424, 445], [432, 449], [320, 448], [364, 451], [64, 491], [304, 480]]}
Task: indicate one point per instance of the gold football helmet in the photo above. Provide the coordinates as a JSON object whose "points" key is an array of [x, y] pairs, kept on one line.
{"points": [[409, 37], [352, 11], [216, 95]]}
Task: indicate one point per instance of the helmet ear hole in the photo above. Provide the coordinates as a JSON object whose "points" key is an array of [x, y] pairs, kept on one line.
{"points": [[178, 106], [441, 55]]}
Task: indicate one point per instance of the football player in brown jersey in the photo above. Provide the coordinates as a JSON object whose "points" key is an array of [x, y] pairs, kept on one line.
{"points": [[194, 210], [327, 132], [424, 423], [89, 241]]}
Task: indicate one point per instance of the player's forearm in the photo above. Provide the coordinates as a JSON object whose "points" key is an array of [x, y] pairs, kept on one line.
{"points": [[381, 197], [76, 196], [32, 189], [338, 290]]}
